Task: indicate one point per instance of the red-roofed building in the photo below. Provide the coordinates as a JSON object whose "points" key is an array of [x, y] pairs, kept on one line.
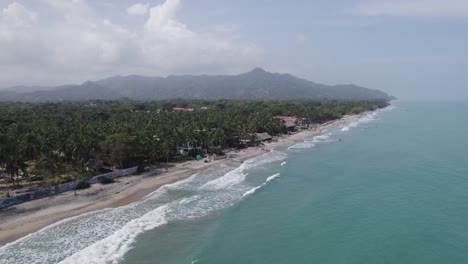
{"points": [[288, 121]]}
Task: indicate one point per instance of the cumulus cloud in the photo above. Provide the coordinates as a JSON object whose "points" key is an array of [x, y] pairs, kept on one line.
{"points": [[420, 8], [162, 21], [78, 44], [15, 24], [138, 9], [16, 15]]}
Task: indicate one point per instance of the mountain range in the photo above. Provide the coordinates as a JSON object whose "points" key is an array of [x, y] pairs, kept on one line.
{"points": [[257, 84]]}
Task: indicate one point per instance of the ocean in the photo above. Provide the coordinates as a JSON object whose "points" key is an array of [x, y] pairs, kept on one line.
{"points": [[388, 187]]}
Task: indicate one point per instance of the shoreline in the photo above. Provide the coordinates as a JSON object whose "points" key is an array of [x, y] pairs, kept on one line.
{"points": [[20, 220]]}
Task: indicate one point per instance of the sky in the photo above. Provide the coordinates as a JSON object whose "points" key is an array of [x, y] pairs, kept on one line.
{"points": [[413, 49]]}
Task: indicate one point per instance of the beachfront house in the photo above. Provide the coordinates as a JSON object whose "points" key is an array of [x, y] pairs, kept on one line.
{"points": [[244, 143], [188, 149], [302, 124], [254, 140], [290, 122], [263, 137]]}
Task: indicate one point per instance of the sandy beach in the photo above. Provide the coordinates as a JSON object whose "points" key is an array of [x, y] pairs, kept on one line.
{"points": [[23, 219]]}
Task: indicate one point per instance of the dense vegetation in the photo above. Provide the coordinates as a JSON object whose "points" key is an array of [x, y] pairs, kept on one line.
{"points": [[54, 139]]}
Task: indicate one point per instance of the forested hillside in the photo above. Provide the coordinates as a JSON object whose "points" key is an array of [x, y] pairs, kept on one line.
{"points": [[254, 85]]}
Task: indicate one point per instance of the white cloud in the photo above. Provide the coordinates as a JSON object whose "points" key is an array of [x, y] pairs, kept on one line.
{"points": [[16, 22], [178, 46], [138, 9], [77, 44], [16, 15], [419, 8], [161, 20]]}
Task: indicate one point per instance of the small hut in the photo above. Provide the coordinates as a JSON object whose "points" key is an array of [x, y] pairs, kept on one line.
{"points": [[188, 150], [261, 137]]}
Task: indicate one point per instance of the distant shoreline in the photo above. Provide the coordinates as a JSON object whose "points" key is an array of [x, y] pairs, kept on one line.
{"points": [[21, 220]]}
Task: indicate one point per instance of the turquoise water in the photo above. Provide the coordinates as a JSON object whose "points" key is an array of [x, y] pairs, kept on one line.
{"points": [[390, 187], [394, 190]]}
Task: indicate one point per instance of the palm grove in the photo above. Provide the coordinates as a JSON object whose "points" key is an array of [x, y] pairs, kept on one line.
{"points": [[53, 141]]}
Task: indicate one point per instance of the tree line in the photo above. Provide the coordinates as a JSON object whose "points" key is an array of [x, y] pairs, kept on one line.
{"points": [[50, 139]]}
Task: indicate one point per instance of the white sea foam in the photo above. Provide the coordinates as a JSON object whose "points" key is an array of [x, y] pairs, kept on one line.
{"points": [[231, 178], [114, 247], [388, 108], [69, 236], [312, 142], [302, 145], [322, 137], [354, 124], [105, 236], [283, 163], [189, 199], [272, 177], [239, 174], [253, 190], [367, 118]]}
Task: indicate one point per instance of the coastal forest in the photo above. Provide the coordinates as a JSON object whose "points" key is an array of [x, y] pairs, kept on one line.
{"points": [[49, 143]]}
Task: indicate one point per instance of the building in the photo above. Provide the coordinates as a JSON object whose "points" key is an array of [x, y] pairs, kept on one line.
{"points": [[182, 109], [188, 149], [290, 122], [261, 137]]}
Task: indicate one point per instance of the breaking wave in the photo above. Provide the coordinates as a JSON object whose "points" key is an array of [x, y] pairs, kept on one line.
{"points": [[302, 145], [314, 141], [272, 177], [105, 236], [239, 174], [324, 138], [367, 118], [253, 190]]}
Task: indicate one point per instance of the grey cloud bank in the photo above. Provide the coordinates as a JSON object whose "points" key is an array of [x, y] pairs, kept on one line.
{"points": [[79, 45], [413, 49]]}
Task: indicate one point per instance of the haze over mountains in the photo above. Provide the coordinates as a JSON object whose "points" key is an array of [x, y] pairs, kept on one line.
{"points": [[254, 85]]}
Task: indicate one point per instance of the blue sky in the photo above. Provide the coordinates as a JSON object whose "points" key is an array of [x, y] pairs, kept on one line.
{"points": [[414, 49]]}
